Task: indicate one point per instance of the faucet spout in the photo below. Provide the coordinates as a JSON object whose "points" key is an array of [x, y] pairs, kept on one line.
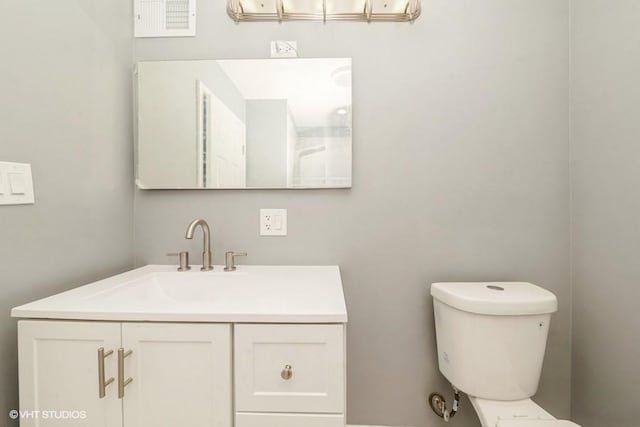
{"points": [[206, 252]]}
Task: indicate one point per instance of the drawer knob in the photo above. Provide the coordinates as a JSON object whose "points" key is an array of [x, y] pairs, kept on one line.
{"points": [[287, 372]]}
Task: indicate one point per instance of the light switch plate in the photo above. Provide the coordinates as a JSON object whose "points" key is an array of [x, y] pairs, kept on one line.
{"points": [[273, 222], [16, 184]]}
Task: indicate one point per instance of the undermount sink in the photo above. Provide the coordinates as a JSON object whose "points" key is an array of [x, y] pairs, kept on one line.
{"points": [[276, 294]]}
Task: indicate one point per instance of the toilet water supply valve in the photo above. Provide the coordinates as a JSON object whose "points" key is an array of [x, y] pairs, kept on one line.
{"points": [[439, 405]]}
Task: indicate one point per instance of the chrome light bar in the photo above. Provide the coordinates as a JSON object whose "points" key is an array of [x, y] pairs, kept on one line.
{"points": [[324, 10]]}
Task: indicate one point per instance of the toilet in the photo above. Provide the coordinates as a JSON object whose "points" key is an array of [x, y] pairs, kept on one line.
{"points": [[491, 341]]}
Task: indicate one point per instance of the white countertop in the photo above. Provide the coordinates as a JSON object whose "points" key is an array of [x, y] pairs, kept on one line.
{"points": [[158, 293]]}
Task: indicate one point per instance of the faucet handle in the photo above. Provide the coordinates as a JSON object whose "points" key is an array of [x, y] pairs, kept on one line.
{"points": [[184, 260], [230, 258]]}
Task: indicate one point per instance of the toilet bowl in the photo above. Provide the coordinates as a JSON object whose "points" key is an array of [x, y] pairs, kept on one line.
{"points": [[491, 341], [541, 423], [519, 413]]}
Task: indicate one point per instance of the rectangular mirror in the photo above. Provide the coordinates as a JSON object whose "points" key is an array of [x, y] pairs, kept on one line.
{"points": [[263, 123]]}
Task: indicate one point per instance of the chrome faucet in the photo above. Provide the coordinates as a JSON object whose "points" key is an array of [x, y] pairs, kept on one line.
{"points": [[206, 253]]}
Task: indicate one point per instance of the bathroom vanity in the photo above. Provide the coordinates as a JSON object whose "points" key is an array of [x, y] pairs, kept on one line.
{"points": [[257, 347]]}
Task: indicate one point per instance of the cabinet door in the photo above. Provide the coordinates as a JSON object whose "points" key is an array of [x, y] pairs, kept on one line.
{"points": [[59, 375], [181, 375]]}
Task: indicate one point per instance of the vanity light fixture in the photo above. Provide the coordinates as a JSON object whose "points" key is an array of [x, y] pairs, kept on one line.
{"points": [[324, 10]]}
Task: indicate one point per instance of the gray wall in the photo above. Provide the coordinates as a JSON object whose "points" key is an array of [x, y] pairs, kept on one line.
{"points": [[65, 85], [606, 206], [267, 142], [460, 173]]}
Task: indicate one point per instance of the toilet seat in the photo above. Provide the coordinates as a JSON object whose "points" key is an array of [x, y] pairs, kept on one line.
{"points": [[518, 413]]}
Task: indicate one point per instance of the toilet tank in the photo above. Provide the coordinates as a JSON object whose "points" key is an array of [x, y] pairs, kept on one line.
{"points": [[492, 336]]}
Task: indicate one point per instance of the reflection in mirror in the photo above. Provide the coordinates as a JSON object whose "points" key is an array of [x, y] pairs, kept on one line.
{"points": [[267, 123]]}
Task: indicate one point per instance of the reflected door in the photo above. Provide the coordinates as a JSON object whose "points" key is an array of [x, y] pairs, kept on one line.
{"points": [[228, 157], [221, 143]]}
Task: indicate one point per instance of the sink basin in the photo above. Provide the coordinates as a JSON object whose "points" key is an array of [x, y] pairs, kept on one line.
{"points": [[276, 294], [173, 287]]}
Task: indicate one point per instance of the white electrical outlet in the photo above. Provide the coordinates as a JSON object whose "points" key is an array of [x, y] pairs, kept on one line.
{"points": [[273, 222], [284, 49]]}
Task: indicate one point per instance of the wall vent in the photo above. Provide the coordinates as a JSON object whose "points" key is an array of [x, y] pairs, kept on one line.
{"points": [[165, 18]]}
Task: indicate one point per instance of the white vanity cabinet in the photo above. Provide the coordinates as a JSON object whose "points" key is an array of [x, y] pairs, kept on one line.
{"points": [[180, 374], [263, 346]]}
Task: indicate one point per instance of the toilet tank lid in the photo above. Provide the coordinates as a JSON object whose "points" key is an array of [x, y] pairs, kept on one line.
{"points": [[496, 298]]}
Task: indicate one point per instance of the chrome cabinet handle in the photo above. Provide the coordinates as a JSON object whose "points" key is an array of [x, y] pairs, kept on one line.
{"points": [[102, 383], [122, 383], [287, 373]]}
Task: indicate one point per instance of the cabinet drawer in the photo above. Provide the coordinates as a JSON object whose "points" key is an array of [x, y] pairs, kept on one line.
{"points": [[313, 384], [289, 420]]}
